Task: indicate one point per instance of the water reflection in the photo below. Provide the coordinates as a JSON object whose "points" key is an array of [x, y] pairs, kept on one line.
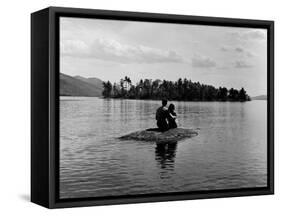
{"points": [[165, 154], [93, 162]]}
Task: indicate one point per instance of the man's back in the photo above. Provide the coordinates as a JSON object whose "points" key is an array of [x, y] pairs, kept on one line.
{"points": [[161, 117], [160, 113]]}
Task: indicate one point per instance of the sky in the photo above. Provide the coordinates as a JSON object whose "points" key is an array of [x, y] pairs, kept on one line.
{"points": [[112, 49]]}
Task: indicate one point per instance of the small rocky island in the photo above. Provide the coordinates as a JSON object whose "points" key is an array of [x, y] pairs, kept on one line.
{"points": [[154, 134]]}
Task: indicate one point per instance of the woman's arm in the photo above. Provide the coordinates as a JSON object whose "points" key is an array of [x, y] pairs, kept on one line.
{"points": [[173, 116]]}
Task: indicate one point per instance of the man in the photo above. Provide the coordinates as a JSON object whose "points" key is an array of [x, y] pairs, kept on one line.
{"points": [[161, 116]]}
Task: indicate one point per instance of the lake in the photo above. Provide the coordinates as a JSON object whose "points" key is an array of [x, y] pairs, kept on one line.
{"points": [[230, 150]]}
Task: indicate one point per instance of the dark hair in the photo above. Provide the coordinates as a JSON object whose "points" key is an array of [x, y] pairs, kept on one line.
{"points": [[164, 102], [171, 107]]}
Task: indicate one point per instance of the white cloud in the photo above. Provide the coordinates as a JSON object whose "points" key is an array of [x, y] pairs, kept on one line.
{"points": [[74, 47], [223, 67], [242, 64], [112, 50], [254, 34], [225, 48], [250, 54], [250, 35], [203, 62], [238, 50]]}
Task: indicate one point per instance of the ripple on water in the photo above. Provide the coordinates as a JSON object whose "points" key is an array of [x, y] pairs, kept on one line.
{"points": [[229, 152]]}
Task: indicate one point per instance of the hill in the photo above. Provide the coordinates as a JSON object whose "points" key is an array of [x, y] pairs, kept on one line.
{"points": [[260, 97], [72, 86], [92, 80]]}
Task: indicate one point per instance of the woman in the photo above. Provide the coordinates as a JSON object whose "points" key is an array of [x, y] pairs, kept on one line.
{"points": [[172, 117]]}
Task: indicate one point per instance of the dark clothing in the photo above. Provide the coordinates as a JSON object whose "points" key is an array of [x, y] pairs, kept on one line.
{"points": [[162, 125], [161, 117], [172, 120]]}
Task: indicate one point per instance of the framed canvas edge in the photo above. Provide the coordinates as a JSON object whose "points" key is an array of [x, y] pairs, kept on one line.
{"points": [[39, 164], [55, 12]]}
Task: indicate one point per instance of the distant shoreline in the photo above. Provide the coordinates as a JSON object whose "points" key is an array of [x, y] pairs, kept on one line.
{"points": [[147, 99], [180, 90]]}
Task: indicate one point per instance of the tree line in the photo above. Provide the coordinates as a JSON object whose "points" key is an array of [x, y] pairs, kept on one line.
{"points": [[181, 90]]}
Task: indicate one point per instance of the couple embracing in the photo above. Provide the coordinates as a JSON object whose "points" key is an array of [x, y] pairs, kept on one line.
{"points": [[166, 117]]}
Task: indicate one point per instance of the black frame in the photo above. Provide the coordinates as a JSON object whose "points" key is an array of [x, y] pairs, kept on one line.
{"points": [[45, 105]]}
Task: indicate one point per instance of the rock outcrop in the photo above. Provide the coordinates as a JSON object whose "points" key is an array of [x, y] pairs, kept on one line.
{"points": [[154, 134]]}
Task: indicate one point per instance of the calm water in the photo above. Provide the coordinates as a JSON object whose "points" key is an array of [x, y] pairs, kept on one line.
{"points": [[229, 152]]}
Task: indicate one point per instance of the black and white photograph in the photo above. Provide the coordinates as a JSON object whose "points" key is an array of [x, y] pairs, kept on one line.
{"points": [[158, 108]]}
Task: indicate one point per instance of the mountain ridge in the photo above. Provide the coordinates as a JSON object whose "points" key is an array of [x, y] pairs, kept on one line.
{"points": [[259, 97], [80, 86]]}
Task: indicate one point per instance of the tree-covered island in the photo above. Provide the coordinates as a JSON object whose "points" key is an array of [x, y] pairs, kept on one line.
{"points": [[180, 90]]}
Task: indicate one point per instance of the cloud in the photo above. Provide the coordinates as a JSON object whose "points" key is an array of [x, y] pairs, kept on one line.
{"points": [[74, 48], [238, 50], [250, 54], [223, 67], [224, 48], [242, 64], [247, 53], [114, 51], [254, 34], [203, 62], [250, 35]]}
